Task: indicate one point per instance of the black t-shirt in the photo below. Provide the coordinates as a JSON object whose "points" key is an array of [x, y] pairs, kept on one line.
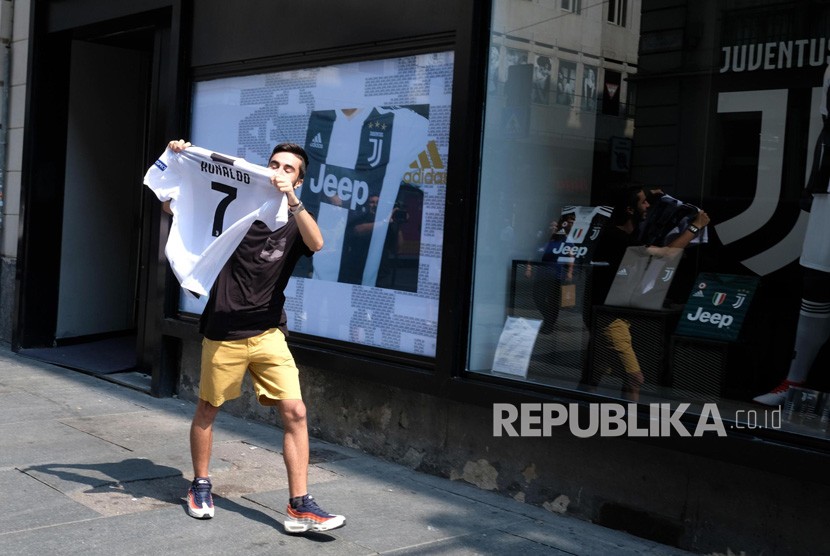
{"points": [[247, 297]]}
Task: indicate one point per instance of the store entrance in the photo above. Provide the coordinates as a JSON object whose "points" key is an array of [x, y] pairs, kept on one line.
{"points": [[98, 242]]}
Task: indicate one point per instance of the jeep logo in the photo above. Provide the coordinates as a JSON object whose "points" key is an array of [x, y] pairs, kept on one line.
{"points": [[342, 186], [570, 250], [714, 318]]}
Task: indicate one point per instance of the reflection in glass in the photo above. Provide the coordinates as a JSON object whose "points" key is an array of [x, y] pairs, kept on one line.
{"points": [[726, 122]]}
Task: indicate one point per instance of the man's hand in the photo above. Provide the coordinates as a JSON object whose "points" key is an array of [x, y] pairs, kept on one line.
{"points": [[178, 146], [283, 183], [701, 220]]}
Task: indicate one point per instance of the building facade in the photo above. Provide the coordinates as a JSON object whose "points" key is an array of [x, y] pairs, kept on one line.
{"points": [[460, 337]]}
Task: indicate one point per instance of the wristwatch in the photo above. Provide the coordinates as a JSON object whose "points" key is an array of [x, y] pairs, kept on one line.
{"points": [[694, 229], [299, 207]]}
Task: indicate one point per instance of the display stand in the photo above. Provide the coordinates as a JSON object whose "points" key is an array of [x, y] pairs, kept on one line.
{"points": [[698, 367]]}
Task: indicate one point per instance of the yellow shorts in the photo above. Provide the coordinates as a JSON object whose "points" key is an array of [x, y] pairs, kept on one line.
{"points": [[617, 336], [274, 374]]}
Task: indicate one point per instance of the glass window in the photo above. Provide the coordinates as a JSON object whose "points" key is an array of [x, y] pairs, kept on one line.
{"points": [[673, 253], [616, 11], [566, 83], [377, 137]]}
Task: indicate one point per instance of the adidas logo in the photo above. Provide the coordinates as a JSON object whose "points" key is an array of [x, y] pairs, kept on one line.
{"points": [[698, 293], [428, 169], [622, 272], [317, 142]]}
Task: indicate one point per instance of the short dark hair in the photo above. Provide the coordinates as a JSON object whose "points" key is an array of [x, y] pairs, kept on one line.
{"points": [[622, 197], [292, 148]]}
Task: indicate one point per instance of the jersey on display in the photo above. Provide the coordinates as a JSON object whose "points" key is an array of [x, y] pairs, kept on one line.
{"points": [[214, 199], [717, 307], [579, 243], [357, 161]]}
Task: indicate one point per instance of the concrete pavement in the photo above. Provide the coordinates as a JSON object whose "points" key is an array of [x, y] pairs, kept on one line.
{"points": [[91, 467]]}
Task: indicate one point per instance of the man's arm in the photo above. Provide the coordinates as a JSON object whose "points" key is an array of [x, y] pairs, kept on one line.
{"points": [[684, 239], [309, 230]]}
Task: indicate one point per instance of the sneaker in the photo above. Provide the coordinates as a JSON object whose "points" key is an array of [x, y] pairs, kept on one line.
{"points": [[309, 516], [199, 499], [777, 395]]}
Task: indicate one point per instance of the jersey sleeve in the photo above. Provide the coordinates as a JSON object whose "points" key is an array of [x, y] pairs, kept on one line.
{"points": [[163, 177]]}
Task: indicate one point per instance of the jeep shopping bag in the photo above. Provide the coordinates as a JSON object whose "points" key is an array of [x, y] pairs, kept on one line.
{"points": [[717, 306], [643, 277]]}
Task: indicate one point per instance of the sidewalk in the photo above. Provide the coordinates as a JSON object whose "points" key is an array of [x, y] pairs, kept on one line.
{"points": [[94, 468]]}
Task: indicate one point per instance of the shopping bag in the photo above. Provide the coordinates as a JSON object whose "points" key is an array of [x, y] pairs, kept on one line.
{"points": [[717, 306], [643, 277]]}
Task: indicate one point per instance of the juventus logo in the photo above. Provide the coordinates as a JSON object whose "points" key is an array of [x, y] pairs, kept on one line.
{"points": [[740, 300], [770, 103], [667, 274], [595, 232], [377, 151]]}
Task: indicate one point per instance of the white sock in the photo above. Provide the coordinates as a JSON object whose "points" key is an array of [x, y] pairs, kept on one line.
{"points": [[812, 332]]}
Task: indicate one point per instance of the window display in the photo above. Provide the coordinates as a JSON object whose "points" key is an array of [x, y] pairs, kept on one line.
{"points": [[726, 145], [377, 134]]}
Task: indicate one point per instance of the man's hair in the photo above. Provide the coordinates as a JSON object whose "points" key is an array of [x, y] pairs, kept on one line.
{"points": [[292, 148], [623, 197]]}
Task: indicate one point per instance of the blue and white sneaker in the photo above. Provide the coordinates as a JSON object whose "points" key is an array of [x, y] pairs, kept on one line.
{"points": [[199, 499], [308, 516]]}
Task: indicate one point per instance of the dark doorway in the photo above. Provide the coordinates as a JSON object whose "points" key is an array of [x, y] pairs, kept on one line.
{"points": [[90, 297]]}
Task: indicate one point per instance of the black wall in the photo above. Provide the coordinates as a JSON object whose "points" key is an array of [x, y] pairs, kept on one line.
{"points": [[261, 30]]}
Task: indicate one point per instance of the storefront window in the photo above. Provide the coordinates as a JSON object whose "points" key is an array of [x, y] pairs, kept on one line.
{"points": [[724, 120], [377, 137]]}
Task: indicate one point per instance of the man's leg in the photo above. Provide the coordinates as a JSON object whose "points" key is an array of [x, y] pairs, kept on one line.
{"points": [[199, 497], [201, 437], [276, 380], [303, 512], [295, 445], [618, 334]]}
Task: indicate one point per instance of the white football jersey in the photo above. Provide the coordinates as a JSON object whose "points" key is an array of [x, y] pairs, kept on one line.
{"points": [[214, 199]]}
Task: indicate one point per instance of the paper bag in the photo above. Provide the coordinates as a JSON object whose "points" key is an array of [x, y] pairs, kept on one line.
{"points": [[643, 277]]}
